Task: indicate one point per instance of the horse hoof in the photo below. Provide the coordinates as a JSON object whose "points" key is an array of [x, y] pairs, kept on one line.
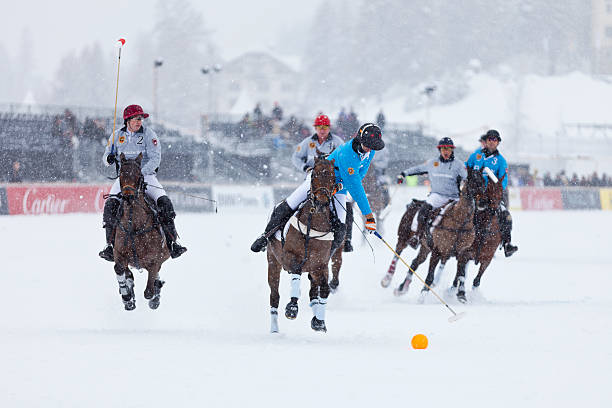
{"points": [[291, 310], [386, 280], [318, 325], [461, 297], [333, 285], [130, 305]]}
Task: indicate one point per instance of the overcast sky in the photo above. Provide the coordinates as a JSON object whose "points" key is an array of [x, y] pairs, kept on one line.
{"points": [[58, 26]]}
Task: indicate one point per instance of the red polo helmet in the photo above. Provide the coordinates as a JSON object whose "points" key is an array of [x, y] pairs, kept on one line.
{"points": [[134, 110], [322, 120]]}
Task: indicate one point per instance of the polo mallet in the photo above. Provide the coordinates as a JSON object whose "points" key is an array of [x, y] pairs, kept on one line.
{"points": [[491, 174], [119, 44], [456, 316]]}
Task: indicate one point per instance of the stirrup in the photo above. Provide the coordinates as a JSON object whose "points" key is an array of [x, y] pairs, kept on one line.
{"points": [[509, 249], [348, 247], [260, 244], [177, 250], [107, 253]]}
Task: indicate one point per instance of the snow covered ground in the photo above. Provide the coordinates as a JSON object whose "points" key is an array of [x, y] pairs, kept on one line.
{"points": [[539, 334]]}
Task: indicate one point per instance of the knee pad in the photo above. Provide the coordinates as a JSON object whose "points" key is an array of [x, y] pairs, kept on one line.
{"points": [[111, 207], [166, 207]]}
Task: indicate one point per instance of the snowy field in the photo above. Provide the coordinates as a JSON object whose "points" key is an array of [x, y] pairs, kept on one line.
{"points": [[537, 335]]}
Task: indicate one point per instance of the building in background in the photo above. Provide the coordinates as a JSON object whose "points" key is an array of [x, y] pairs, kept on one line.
{"points": [[257, 77], [601, 35]]}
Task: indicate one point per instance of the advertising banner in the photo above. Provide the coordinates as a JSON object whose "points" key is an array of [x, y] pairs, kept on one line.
{"points": [[55, 199], [581, 198], [541, 199], [605, 196], [4, 210], [244, 197]]}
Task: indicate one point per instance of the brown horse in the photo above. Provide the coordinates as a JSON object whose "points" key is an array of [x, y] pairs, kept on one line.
{"points": [[452, 236], [488, 233], [139, 242], [306, 248], [379, 199]]}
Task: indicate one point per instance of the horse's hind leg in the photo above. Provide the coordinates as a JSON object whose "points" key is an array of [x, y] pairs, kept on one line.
{"points": [[126, 286], [153, 291], [403, 233], [335, 267], [274, 270]]}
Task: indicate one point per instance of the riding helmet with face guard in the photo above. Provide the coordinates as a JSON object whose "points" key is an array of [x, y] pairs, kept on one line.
{"points": [[370, 136]]}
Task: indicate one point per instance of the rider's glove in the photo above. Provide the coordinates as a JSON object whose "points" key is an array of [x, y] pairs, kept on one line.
{"points": [[110, 159], [337, 187], [370, 225], [400, 177]]}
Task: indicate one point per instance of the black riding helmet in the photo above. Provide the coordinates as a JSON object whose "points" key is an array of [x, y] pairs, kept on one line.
{"points": [[493, 134], [446, 142], [370, 136]]}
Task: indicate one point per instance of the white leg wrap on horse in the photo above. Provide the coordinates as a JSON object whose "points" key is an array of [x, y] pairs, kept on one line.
{"points": [[123, 289], [295, 285], [415, 223], [314, 304], [320, 310], [273, 320]]}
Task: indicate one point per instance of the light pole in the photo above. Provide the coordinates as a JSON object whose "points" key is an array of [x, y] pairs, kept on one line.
{"points": [[156, 65], [428, 91], [207, 72]]}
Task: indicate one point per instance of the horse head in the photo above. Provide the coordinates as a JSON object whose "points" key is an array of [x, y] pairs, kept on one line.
{"points": [[474, 185], [130, 176], [322, 182]]}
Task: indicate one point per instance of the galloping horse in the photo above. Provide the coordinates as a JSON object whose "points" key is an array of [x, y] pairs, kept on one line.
{"points": [[139, 242], [379, 199], [306, 248], [451, 236], [488, 232]]}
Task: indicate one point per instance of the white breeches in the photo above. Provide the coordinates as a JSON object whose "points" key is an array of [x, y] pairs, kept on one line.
{"points": [[300, 194], [436, 201], [154, 188]]}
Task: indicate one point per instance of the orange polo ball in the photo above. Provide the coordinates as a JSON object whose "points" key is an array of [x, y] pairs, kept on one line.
{"points": [[419, 341]]}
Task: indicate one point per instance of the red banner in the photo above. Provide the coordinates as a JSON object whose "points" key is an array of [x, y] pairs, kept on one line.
{"points": [[541, 199], [55, 199]]}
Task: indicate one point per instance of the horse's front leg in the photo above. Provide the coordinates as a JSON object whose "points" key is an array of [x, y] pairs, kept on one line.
{"points": [[319, 292], [153, 290], [460, 277], [483, 267], [433, 262], [126, 285], [274, 270], [416, 262]]}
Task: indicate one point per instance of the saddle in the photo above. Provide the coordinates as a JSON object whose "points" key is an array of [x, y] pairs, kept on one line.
{"points": [[282, 231]]}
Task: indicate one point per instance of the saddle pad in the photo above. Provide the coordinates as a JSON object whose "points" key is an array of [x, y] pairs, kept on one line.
{"points": [[438, 218], [314, 234]]}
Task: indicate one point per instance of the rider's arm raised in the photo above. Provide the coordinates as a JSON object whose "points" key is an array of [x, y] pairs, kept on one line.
{"points": [[109, 147]]}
